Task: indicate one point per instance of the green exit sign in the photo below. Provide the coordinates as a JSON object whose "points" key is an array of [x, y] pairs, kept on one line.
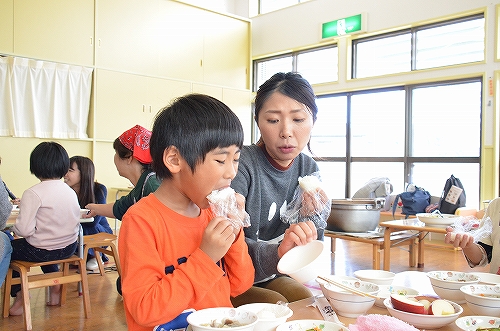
{"points": [[343, 26]]}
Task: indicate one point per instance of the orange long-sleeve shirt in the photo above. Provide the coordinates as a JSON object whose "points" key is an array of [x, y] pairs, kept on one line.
{"points": [[164, 271]]}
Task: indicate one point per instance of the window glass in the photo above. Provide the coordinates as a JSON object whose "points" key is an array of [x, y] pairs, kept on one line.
{"points": [[318, 66], [362, 172], [378, 124], [328, 137], [446, 120], [267, 68], [333, 179], [449, 44], [433, 176], [383, 56]]}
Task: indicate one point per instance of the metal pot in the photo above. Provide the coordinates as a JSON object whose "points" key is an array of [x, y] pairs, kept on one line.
{"points": [[355, 215]]}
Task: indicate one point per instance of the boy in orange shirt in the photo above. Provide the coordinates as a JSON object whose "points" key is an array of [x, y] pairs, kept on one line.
{"points": [[175, 253]]}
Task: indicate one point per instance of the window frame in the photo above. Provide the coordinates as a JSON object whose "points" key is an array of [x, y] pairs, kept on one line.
{"points": [[413, 31]]}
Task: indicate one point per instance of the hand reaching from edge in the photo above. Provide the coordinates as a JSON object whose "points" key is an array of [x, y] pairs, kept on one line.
{"points": [[217, 238], [458, 239], [296, 235]]}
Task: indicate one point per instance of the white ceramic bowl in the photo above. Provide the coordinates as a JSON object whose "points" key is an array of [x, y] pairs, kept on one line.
{"points": [[379, 277], [447, 284], [270, 315], [436, 220], [348, 304], [200, 320], [482, 299], [301, 262], [487, 278], [421, 321], [386, 291], [303, 325], [471, 323]]}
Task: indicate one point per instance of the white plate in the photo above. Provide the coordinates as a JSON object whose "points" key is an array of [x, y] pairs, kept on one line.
{"points": [[471, 323], [435, 220], [303, 325]]}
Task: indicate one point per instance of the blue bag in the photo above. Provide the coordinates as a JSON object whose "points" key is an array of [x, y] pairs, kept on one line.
{"points": [[413, 202]]}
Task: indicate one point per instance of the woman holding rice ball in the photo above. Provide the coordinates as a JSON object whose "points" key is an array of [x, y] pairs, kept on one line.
{"points": [[268, 177]]}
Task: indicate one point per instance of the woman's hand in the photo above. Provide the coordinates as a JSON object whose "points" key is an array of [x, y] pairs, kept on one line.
{"points": [[219, 235], [313, 202], [296, 235]]}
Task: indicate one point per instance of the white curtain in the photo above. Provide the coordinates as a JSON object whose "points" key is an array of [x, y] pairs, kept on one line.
{"points": [[43, 99]]}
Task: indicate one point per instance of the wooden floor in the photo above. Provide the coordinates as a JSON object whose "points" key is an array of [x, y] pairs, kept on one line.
{"points": [[107, 305]]}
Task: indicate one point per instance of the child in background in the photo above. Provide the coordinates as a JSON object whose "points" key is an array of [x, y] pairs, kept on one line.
{"points": [[13, 198], [5, 246], [175, 253], [49, 218], [80, 178], [133, 161]]}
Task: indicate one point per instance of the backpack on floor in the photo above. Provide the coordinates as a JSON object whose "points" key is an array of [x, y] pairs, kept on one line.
{"points": [[453, 196]]}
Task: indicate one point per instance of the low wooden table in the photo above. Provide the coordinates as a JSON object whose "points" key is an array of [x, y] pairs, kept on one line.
{"points": [[417, 280], [410, 225], [378, 245]]}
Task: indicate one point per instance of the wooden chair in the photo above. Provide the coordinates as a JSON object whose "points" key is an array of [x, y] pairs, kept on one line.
{"points": [[27, 281], [98, 241]]}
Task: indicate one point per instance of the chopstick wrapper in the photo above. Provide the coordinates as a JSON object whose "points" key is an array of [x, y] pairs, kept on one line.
{"points": [[325, 309]]}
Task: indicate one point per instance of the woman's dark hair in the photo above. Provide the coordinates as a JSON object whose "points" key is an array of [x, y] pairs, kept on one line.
{"points": [[49, 160], [195, 124], [88, 185], [291, 84], [124, 153]]}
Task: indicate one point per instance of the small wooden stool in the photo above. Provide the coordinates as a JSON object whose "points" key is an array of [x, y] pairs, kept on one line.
{"points": [[28, 282], [97, 242]]}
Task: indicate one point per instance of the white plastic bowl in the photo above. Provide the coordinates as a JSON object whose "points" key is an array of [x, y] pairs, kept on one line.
{"points": [[386, 291], [447, 284], [379, 277], [270, 315], [422, 321], [436, 220], [303, 325], [200, 320], [482, 299], [301, 262], [348, 304]]}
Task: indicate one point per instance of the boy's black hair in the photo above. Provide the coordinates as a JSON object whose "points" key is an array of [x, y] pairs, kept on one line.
{"points": [[195, 124], [49, 160]]}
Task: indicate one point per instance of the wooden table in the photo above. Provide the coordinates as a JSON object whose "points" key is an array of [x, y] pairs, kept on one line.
{"points": [[412, 225], [413, 279], [377, 243]]}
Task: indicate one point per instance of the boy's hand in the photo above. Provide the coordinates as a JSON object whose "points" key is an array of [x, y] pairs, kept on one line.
{"points": [[217, 238], [297, 234]]}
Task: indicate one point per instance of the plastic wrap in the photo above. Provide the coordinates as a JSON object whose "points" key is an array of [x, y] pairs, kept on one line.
{"points": [[309, 203], [471, 226], [223, 203]]}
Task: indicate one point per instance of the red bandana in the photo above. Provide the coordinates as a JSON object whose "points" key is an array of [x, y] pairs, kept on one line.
{"points": [[137, 140]]}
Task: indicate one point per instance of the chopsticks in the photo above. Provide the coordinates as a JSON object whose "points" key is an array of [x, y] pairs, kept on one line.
{"points": [[347, 288]]}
